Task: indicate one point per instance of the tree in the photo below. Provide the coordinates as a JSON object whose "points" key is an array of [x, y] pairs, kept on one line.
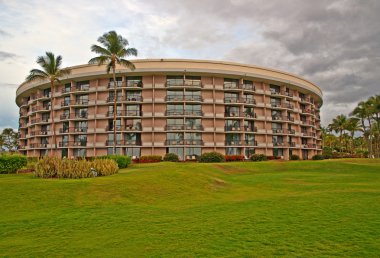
{"points": [[339, 125], [353, 126], [51, 72], [111, 53], [9, 140]]}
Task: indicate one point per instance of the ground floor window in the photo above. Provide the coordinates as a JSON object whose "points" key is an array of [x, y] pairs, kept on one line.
{"points": [[278, 152], [249, 152], [65, 153], [44, 152], [192, 153], [179, 151], [233, 151], [133, 152], [80, 152], [110, 151]]}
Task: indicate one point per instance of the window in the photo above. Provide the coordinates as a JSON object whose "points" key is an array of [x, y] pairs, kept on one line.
{"points": [[133, 152], [176, 150], [233, 151], [230, 83], [192, 153], [134, 81], [80, 152], [110, 151], [249, 152], [278, 152], [274, 88]]}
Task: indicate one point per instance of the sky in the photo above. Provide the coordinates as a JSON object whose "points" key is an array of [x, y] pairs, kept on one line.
{"points": [[333, 43]]}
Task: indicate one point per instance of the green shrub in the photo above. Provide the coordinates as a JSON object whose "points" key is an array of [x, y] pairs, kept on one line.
{"points": [[318, 157], [211, 157], [294, 157], [54, 167], [122, 161], [10, 163], [150, 158], [259, 157], [171, 157]]}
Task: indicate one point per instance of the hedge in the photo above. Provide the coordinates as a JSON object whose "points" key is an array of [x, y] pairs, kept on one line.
{"points": [[171, 157], [259, 157], [211, 157], [149, 159], [10, 163], [121, 160]]}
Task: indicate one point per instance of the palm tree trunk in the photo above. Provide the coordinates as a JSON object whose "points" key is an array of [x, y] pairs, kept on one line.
{"points": [[114, 109], [54, 140]]}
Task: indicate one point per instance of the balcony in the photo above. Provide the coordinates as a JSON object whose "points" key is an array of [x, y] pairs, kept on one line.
{"points": [[279, 118], [248, 101], [111, 84], [80, 102], [81, 88], [290, 119], [38, 133], [309, 145], [292, 144], [72, 144], [289, 131], [133, 99], [66, 90], [277, 131], [125, 113], [38, 145], [249, 115], [306, 111], [183, 83], [250, 143], [233, 114], [80, 115], [249, 87], [232, 86], [233, 143], [112, 99], [179, 127], [288, 106], [307, 134], [183, 113], [305, 100], [65, 103], [123, 143], [183, 98], [250, 129], [277, 105], [280, 144], [306, 122], [171, 142], [63, 144], [41, 108], [134, 84], [40, 120], [228, 100], [232, 128], [64, 116]]}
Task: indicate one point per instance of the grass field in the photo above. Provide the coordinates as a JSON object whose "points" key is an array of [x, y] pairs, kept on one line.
{"points": [[300, 208]]}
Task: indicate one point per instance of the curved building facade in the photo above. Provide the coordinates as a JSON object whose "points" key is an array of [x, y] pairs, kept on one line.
{"points": [[186, 107]]}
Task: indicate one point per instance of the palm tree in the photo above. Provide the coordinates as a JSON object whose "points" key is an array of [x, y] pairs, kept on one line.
{"points": [[112, 52], [51, 72], [352, 126], [362, 111], [339, 125]]}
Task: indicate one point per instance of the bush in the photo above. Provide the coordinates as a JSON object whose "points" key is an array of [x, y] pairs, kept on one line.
{"points": [[54, 167], [10, 163], [121, 160], [211, 157], [234, 157], [259, 157], [150, 159], [273, 157], [318, 157], [294, 157], [171, 157]]}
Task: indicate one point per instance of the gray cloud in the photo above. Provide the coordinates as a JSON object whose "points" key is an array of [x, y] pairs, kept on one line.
{"points": [[6, 55]]}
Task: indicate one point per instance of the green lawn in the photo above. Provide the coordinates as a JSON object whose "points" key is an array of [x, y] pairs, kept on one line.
{"points": [[303, 208]]}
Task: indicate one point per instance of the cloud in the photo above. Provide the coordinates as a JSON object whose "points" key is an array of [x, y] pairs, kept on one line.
{"points": [[6, 55]]}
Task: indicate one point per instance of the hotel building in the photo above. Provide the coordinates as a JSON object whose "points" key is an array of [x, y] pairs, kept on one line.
{"points": [[187, 107]]}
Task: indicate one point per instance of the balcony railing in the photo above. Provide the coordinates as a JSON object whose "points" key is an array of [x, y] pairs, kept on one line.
{"points": [[306, 122], [38, 145], [35, 133], [309, 145], [64, 116], [290, 119], [233, 114], [183, 98], [39, 120], [232, 86], [292, 144], [81, 129], [183, 113], [250, 143], [276, 105], [83, 87], [134, 98], [249, 101], [111, 84], [125, 113], [250, 87], [232, 128], [66, 90], [249, 115], [81, 115], [280, 144], [183, 83], [279, 118], [277, 130], [306, 111], [250, 129], [183, 127], [123, 143], [183, 142], [308, 134], [233, 100], [288, 106], [233, 142], [41, 108], [72, 144]]}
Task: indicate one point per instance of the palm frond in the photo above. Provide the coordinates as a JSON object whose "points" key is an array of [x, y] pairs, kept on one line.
{"points": [[127, 64], [100, 50], [109, 66], [36, 74], [99, 60]]}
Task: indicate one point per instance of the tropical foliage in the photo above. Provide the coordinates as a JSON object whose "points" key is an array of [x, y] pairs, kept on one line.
{"points": [[358, 134]]}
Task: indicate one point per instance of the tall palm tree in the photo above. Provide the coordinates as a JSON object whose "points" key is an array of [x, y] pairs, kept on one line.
{"points": [[51, 72], [362, 111], [339, 125], [112, 52], [353, 126]]}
